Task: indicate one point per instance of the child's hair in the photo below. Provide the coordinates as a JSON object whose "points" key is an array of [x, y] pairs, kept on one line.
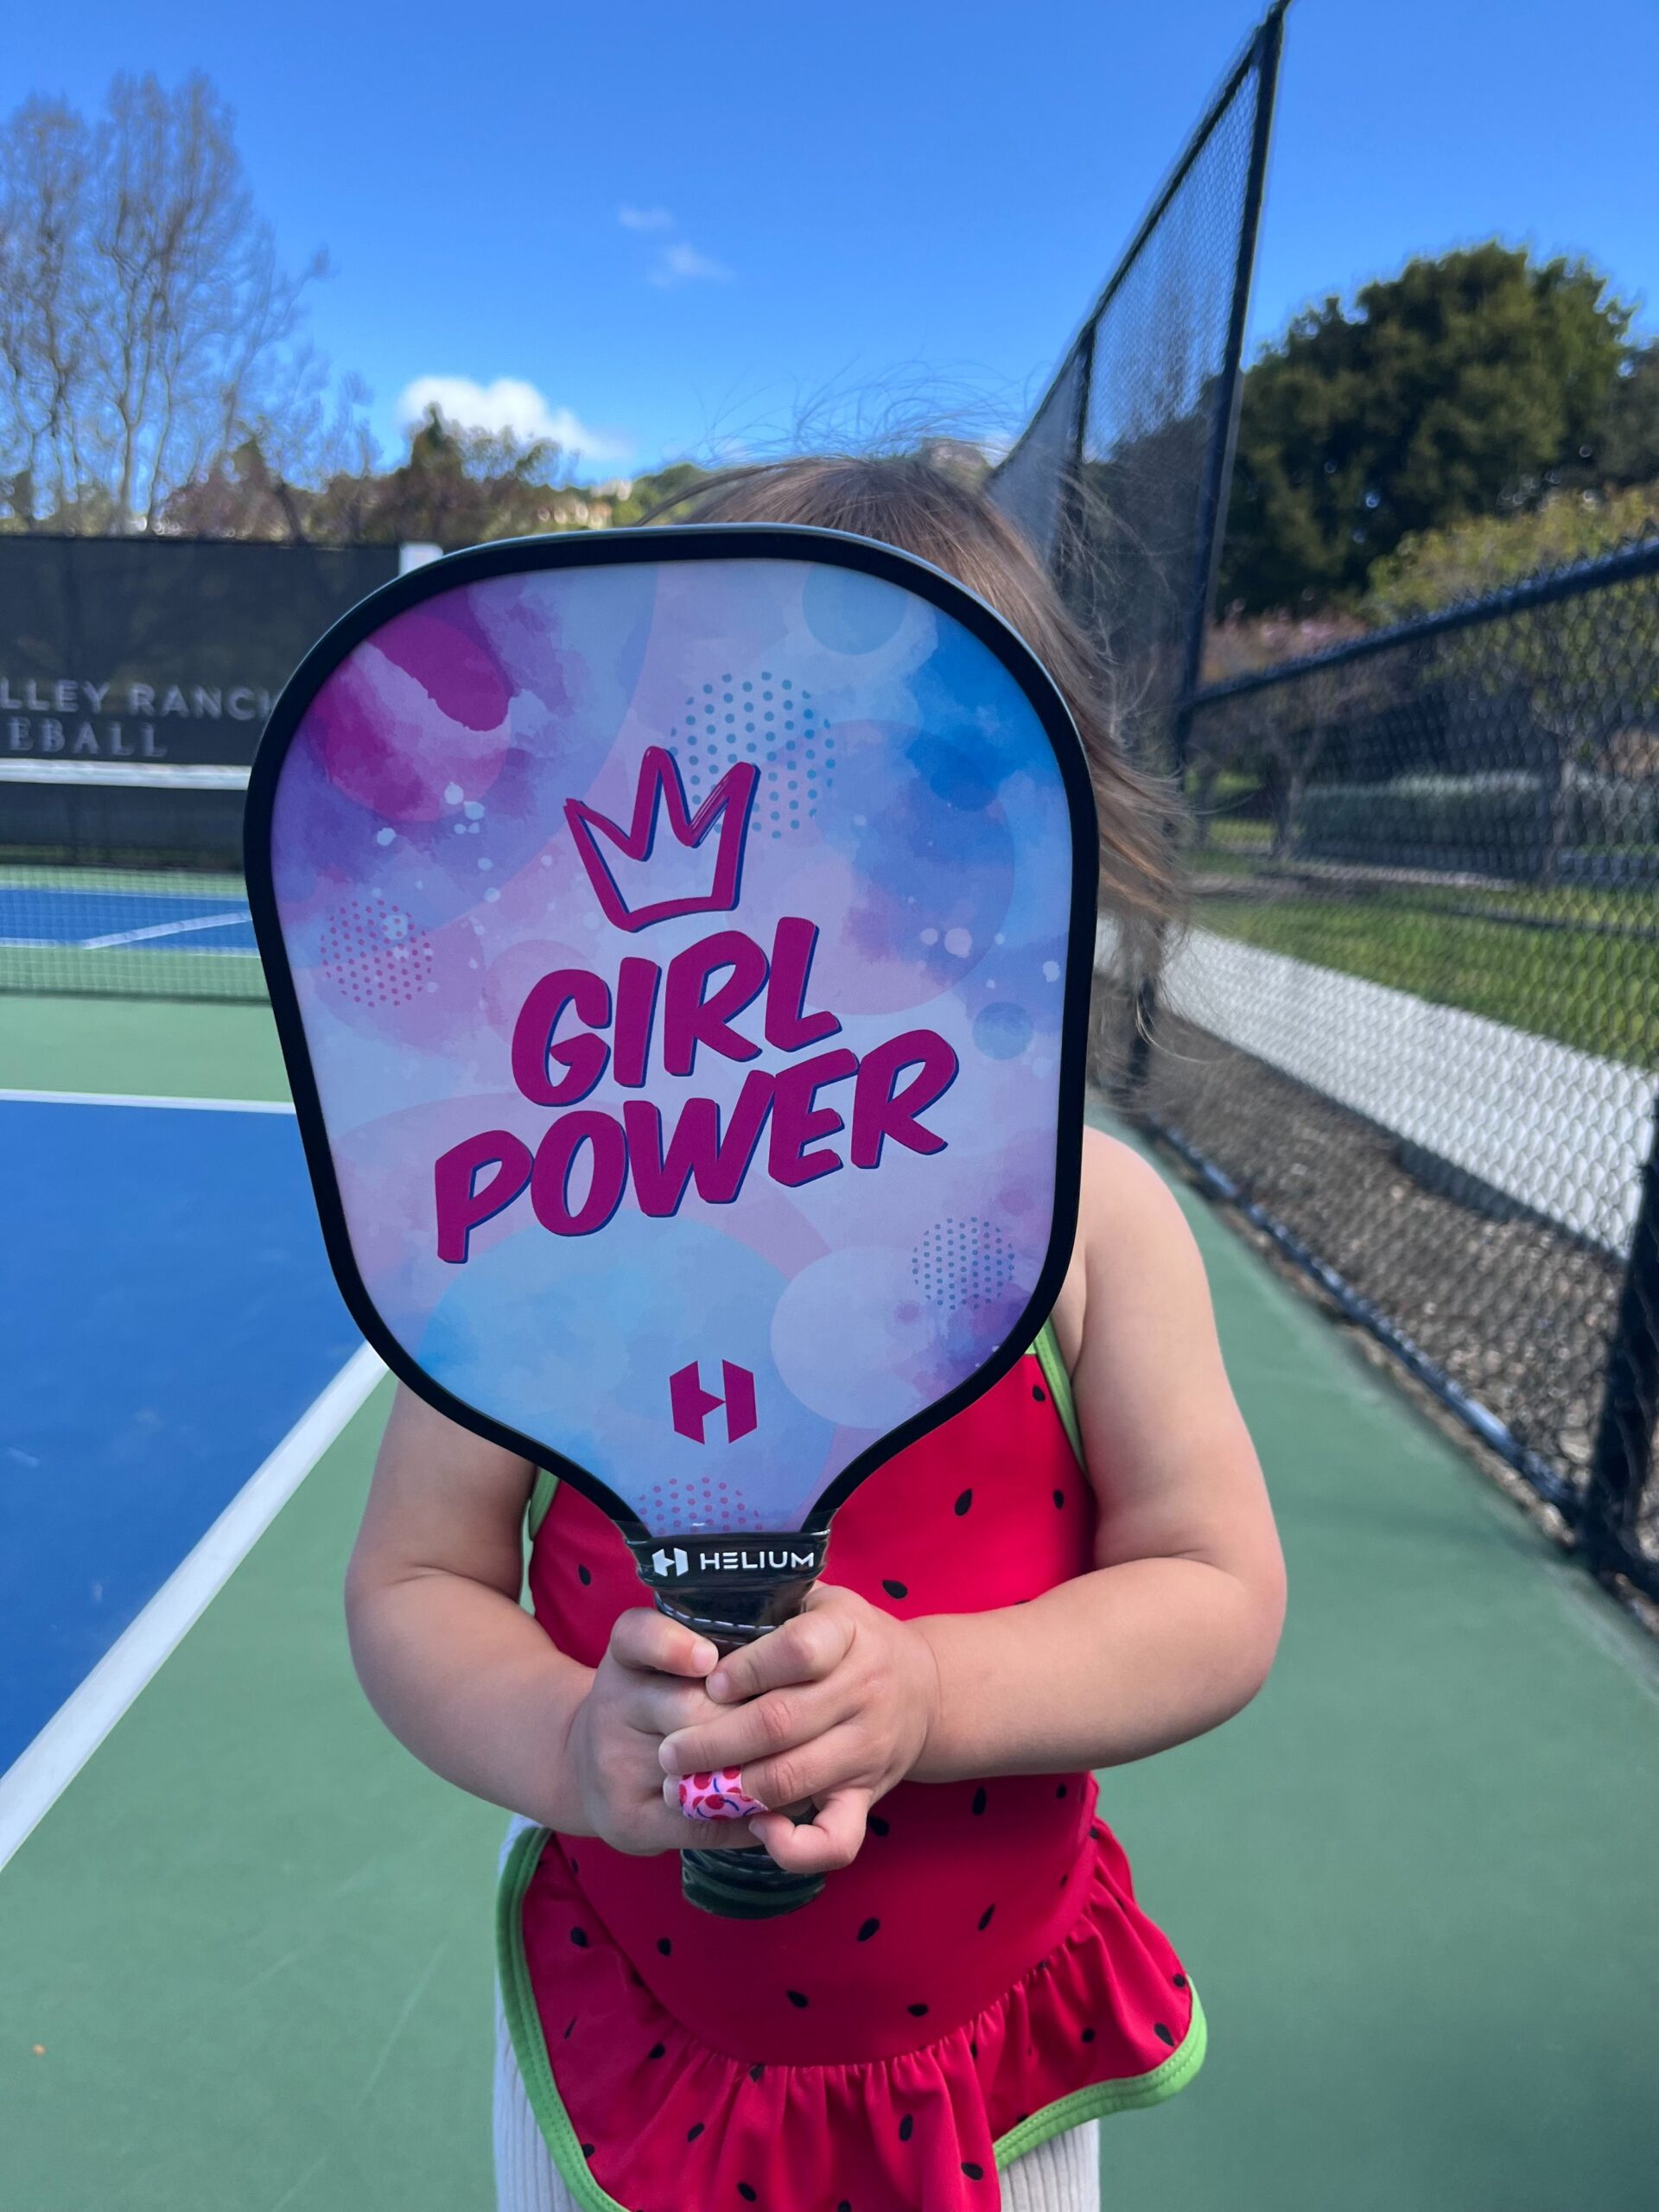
{"points": [[941, 516]]}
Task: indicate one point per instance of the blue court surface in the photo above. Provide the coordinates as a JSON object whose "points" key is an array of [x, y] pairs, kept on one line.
{"points": [[97, 918], [169, 1316]]}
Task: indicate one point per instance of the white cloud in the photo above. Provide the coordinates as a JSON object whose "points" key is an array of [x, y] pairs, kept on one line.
{"points": [[643, 218], [508, 403], [681, 264]]}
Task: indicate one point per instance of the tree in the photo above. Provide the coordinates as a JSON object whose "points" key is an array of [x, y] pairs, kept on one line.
{"points": [[146, 326], [1468, 560], [1587, 666], [1461, 387]]}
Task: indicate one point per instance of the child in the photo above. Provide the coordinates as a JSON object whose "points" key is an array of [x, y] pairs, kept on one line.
{"points": [[976, 1986]]}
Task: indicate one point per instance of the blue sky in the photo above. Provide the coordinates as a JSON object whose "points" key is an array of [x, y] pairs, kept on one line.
{"points": [[681, 227]]}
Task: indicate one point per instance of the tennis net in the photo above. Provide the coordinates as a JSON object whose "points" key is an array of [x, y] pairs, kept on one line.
{"points": [[123, 881]]}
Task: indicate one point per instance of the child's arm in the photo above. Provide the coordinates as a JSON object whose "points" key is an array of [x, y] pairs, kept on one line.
{"points": [[1173, 1633], [466, 1678]]}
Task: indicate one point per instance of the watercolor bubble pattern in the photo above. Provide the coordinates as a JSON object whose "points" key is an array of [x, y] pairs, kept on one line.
{"points": [[907, 802]]}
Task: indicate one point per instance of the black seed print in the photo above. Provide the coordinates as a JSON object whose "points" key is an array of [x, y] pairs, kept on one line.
{"points": [[867, 1930], [979, 1801], [579, 1937], [663, 1945], [657, 2051], [1180, 1981], [1060, 1792], [587, 2150], [795, 1999], [876, 1824], [906, 2128], [985, 1917], [973, 2051], [567, 2032], [916, 2012], [584, 1575], [1040, 1393], [694, 2131], [972, 2172], [1088, 2035], [1162, 2032], [964, 1502], [745, 2192], [1064, 1878], [573, 1865], [755, 2072], [1060, 1501], [896, 1589]]}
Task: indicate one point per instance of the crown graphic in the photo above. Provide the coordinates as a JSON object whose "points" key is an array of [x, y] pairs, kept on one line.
{"points": [[708, 884]]}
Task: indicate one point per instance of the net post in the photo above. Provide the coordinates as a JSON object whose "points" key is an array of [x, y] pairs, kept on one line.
{"points": [[1270, 43], [1623, 1453]]}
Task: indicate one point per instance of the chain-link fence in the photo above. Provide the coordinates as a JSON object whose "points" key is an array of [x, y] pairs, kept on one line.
{"points": [[1119, 477], [1416, 1023]]}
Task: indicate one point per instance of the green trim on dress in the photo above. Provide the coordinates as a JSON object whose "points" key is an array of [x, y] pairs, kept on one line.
{"points": [[1098, 2101], [1058, 1379], [543, 1492]]}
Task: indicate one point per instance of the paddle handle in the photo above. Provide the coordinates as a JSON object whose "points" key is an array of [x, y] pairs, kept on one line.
{"points": [[734, 1590]]}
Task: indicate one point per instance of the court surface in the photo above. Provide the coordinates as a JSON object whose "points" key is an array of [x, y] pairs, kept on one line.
{"points": [[101, 913], [245, 1955]]}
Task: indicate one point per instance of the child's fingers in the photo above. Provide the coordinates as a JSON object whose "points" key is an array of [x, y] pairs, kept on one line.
{"points": [[831, 1838], [765, 1728], [803, 1649], [810, 1773], [648, 1641]]}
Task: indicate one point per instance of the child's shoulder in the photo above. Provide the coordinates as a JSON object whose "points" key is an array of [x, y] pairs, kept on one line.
{"points": [[1130, 1231]]}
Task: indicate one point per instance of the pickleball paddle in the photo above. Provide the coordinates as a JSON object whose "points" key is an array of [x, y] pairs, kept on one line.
{"points": [[680, 942]]}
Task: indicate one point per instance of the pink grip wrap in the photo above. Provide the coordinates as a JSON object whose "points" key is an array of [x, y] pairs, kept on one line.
{"points": [[718, 1796]]}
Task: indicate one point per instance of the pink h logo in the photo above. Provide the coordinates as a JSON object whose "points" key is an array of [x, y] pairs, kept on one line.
{"points": [[692, 1404]]}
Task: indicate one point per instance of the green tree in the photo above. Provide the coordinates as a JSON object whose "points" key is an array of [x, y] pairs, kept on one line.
{"points": [[1460, 387]]}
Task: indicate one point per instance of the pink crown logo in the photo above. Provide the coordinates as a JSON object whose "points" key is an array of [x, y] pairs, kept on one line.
{"points": [[683, 886]]}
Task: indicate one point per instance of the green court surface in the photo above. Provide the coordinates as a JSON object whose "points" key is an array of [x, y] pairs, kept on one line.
{"points": [[1414, 1882]]}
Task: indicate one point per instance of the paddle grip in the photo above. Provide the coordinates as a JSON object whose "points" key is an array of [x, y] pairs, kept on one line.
{"points": [[733, 1590]]}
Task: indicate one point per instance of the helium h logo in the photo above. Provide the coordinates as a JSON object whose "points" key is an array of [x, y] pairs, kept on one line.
{"points": [[692, 1404]]}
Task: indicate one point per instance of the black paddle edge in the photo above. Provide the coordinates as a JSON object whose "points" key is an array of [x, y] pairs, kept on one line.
{"points": [[684, 541]]}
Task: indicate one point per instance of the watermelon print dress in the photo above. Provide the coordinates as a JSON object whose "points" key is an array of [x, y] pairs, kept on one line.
{"points": [[979, 1979]]}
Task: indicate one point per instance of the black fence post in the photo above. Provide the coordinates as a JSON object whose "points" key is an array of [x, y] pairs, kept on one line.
{"points": [[1623, 1452], [1223, 436]]}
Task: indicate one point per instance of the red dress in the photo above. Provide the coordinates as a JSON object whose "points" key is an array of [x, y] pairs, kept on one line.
{"points": [[979, 1979]]}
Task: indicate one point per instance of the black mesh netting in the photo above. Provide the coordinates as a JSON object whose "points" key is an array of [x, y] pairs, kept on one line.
{"points": [[1416, 1018]]}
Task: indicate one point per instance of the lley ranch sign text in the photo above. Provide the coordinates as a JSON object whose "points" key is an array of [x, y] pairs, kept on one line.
{"points": [[117, 722]]}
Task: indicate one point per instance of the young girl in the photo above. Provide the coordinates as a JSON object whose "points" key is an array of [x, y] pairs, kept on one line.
{"points": [[1078, 1570]]}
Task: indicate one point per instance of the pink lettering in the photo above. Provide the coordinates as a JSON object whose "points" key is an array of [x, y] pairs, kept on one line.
{"points": [[636, 985], [461, 1202], [556, 1158], [789, 1026], [696, 1150], [798, 1122], [882, 1108], [689, 1019], [533, 1049]]}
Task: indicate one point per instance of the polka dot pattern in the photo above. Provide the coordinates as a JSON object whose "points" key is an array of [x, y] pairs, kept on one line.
{"points": [[374, 954], [769, 720]]}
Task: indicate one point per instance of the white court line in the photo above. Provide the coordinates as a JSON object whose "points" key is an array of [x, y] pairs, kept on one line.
{"points": [[32, 1786], [120, 1098], [163, 929]]}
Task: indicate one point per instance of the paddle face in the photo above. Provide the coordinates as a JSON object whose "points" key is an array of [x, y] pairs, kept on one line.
{"points": [[681, 944]]}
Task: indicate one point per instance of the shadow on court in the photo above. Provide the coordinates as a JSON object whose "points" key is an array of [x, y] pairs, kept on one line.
{"points": [[1414, 1883]]}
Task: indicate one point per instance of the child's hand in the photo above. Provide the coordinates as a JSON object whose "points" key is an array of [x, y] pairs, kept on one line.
{"points": [[649, 1684], [834, 1708]]}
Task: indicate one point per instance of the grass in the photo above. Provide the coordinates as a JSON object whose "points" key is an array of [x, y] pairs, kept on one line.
{"points": [[1598, 992]]}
